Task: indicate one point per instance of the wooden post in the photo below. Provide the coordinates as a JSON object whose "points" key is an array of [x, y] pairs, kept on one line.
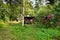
{"points": [[23, 12]]}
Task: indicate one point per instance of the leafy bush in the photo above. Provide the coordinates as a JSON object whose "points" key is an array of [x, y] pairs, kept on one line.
{"points": [[46, 16]]}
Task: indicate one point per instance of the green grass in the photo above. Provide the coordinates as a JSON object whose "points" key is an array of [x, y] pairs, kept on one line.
{"points": [[29, 32]]}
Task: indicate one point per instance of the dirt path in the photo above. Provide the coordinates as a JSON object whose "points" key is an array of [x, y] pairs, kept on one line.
{"points": [[14, 22]]}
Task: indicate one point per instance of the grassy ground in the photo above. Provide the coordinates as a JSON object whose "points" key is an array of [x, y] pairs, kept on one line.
{"points": [[29, 32]]}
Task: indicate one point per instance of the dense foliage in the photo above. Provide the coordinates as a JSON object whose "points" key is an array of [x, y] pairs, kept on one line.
{"points": [[13, 9]]}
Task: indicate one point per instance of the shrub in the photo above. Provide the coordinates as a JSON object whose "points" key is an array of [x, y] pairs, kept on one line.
{"points": [[47, 19], [46, 15]]}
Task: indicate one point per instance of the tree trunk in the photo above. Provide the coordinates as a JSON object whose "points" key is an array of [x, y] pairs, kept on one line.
{"points": [[23, 12]]}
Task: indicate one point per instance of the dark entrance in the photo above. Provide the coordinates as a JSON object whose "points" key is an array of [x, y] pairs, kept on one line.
{"points": [[28, 20]]}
